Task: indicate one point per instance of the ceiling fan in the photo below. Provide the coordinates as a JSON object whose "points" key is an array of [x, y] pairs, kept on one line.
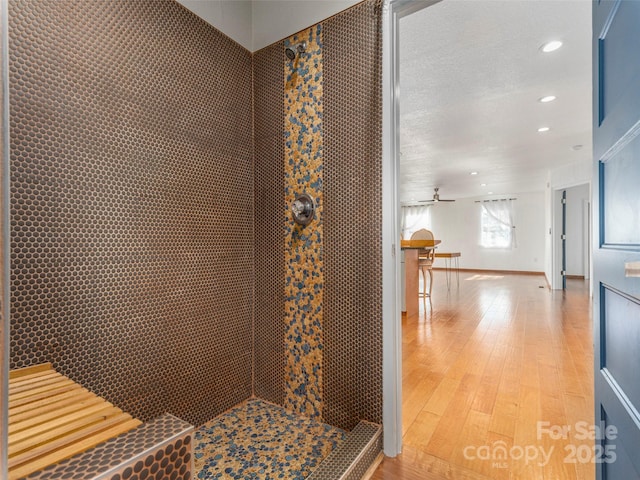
{"points": [[436, 197]]}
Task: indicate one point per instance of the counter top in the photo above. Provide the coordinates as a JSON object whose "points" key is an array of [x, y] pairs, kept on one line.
{"points": [[418, 244]]}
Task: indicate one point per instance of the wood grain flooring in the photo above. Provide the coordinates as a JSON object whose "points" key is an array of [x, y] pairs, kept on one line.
{"points": [[482, 368]]}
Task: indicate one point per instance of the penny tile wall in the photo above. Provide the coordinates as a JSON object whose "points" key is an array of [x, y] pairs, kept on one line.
{"points": [[269, 240], [353, 216], [4, 246], [132, 203], [332, 268]]}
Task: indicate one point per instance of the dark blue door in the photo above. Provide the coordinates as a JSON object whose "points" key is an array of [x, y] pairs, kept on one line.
{"points": [[616, 313]]}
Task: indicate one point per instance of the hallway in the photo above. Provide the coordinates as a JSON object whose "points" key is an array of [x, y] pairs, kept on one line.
{"points": [[484, 369]]}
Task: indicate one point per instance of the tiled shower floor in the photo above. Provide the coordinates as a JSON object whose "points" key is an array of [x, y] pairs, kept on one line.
{"points": [[258, 440]]}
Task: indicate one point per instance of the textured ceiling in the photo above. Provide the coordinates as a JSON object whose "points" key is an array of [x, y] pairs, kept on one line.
{"points": [[470, 76]]}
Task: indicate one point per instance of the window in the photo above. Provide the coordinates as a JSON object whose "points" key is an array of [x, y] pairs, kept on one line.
{"points": [[496, 221], [413, 219]]}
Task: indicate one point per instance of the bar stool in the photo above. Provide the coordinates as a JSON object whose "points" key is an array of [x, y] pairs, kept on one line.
{"points": [[425, 259]]}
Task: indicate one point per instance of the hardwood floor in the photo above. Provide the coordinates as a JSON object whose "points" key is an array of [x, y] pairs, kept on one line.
{"points": [[482, 368]]}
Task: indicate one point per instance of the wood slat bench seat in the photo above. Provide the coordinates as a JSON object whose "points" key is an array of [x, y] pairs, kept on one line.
{"points": [[52, 418]]}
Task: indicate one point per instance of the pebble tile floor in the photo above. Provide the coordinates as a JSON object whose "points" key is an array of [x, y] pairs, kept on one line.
{"points": [[258, 440]]}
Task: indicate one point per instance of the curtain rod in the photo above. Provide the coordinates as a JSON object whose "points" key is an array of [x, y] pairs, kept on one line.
{"points": [[495, 200]]}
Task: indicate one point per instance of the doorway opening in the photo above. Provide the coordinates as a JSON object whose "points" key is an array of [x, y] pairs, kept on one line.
{"points": [[509, 297], [575, 213]]}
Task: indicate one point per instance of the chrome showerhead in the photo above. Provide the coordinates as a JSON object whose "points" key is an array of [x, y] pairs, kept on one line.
{"points": [[292, 51], [291, 55]]}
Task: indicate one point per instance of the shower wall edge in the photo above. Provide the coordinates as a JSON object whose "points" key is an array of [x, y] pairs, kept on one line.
{"points": [[4, 241]]}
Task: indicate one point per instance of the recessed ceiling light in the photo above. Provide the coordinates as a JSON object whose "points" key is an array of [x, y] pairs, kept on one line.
{"points": [[483, 184], [489, 193], [543, 129], [551, 46], [473, 173], [547, 99]]}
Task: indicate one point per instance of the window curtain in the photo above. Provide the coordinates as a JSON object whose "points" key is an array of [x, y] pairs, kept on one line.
{"points": [[414, 218], [501, 212]]}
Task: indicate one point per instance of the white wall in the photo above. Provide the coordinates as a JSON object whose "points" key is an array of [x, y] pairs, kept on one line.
{"points": [[255, 24], [577, 173], [457, 224]]}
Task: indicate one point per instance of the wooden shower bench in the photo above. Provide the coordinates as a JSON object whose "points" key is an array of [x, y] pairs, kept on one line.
{"points": [[52, 418]]}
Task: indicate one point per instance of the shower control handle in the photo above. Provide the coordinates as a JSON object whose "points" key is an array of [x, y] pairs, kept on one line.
{"points": [[303, 209]]}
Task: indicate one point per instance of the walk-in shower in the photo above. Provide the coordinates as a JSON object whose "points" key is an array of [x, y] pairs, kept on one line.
{"points": [[155, 260]]}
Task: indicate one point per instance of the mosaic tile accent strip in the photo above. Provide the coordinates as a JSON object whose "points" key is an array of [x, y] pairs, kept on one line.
{"points": [[269, 203], [352, 126], [354, 456], [257, 440], [132, 154], [160, 448], [303, 244]]}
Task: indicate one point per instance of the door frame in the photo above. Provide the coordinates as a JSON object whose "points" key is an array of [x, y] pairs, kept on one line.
{"points": [[563, 240], [556, 247], [392, 12]]}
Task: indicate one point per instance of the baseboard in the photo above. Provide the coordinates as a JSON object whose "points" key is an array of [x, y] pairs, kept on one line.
{"points": [[575, 277], [478, 270], [546, 279]]}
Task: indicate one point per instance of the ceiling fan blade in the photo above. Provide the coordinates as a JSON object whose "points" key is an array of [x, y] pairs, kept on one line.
{"points": [[436, 198]]}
